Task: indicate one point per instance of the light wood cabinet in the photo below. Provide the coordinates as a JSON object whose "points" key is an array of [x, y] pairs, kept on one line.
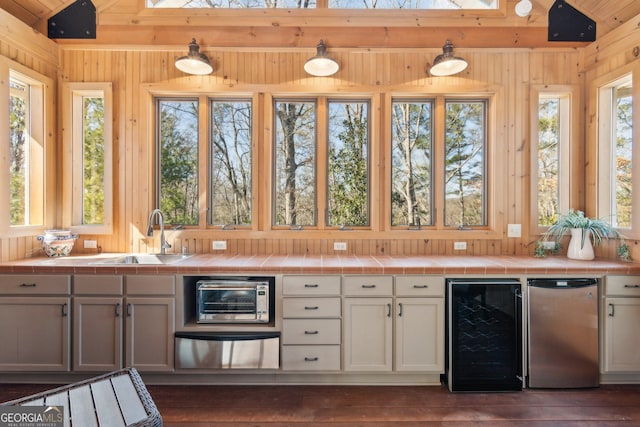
{"points": [[621, 314], [34, 322]]}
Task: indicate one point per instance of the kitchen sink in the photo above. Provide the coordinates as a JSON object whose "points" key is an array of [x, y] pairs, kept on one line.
{"points": [[145, 259]]}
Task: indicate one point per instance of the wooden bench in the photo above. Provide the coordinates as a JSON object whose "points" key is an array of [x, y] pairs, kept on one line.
{"points": [[116, 399]]}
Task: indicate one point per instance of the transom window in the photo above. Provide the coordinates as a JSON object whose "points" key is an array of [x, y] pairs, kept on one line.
{"points": [[332, 4]]}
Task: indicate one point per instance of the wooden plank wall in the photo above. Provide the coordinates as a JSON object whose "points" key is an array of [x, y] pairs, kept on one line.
{"points": [[22, 45], [135, 72]]}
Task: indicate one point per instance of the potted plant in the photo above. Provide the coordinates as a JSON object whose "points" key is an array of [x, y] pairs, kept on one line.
{"points": [[585, 233]]}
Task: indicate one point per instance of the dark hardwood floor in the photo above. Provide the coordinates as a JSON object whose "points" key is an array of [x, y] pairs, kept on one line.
{"points": [[383, 406]]}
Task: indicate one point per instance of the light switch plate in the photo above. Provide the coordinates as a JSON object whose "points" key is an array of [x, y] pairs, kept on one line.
{"points": [[90, 244]]}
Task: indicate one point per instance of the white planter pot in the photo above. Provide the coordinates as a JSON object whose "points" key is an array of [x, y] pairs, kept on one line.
{"points": [[579, 249]]}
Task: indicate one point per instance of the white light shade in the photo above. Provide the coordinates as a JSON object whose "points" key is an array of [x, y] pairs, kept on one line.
{"points": [[321, 65], [446, 64], [195, 62], [523, 8]]}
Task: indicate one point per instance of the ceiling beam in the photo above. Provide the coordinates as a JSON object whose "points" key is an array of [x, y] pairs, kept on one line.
{"points": [[307, 37]]}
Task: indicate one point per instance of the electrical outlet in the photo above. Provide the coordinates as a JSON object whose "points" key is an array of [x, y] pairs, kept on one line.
{"points": [[90, 244], [459, 246], [514, 230], [219, 245], [339, 246]]}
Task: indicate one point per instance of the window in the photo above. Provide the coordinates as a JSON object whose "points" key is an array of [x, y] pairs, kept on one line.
{"points": [[177, 160], [465, 165], [230, 181], [295, 163], [26, 155], [87, 134], [348, 164], [616, 154], [552, 132], [338, 4], [411, 157], [341, 191]]}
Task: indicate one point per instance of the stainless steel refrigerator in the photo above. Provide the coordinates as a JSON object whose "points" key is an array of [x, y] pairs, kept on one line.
{"points": [[563, 333]]}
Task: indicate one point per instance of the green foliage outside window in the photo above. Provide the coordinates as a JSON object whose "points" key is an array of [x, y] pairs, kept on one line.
{"points": [[411, 153], [348, 168], [93, 160], [178, 163], [18, 152], [464, 163]]}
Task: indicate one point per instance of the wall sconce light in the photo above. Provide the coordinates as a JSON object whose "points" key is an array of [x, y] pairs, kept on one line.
{"points": [[321, 65], [194, 62], [523, 8], [446, 64]]}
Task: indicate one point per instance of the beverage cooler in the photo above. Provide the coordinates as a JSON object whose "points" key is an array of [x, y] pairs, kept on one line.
{"points": [[485, 346]]}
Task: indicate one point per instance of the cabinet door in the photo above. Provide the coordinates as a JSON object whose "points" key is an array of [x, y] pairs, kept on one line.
{"points": [[149, 333], [420, 334], [622, 340], [97, 333], [368, 328], [34, 332]]}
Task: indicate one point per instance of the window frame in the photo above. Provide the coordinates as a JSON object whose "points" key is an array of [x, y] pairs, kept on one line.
{"points": [[42, 131], [603, 185], [570, 154], [152, 92], [494, 200], [72, 141]]}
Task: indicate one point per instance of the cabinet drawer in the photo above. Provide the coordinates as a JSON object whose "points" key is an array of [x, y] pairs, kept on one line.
{"points": [[311, 357], [420, 286], [311, 307], [311, 285], [311, 331], [35, 284], [150, 285], [97, 285], [623, 285], [368, 285]]}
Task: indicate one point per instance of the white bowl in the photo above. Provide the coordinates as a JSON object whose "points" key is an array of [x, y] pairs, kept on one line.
{"points": [[57, 243]]}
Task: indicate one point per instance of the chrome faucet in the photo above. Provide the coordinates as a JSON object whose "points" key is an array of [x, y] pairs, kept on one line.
{"points": [[164, 245]]}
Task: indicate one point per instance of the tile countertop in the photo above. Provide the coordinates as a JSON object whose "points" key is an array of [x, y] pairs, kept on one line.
{"points": [[330, 264]]}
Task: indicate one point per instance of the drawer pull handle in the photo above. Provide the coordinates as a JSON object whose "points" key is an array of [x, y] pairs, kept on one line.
{"points": [[626, 286], [388, 310], [368, 286], [311, 285], [311, 359], [611, 310], [129, 310], [64, 310], [118, 310], [420, 286], [311, 307], [28, 285], [311, 332], [399, 309]]}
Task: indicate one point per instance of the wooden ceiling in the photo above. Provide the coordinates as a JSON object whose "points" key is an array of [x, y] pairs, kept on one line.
{"points": [[127, 22]]}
